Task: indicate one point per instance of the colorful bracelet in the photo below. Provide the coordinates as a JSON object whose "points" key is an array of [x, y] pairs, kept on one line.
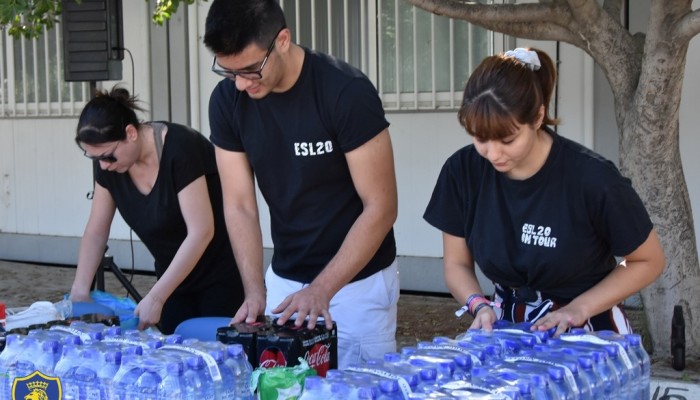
{"points": [[479, 307], [472, 298], [474, 304], [465, 308]]}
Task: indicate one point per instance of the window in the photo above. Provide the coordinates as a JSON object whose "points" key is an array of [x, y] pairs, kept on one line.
{"points": [[31, 76], [417, 60]]}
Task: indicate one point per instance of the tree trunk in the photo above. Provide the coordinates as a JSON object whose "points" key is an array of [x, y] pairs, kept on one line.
{"points": [[645, 73], [650, 157]]}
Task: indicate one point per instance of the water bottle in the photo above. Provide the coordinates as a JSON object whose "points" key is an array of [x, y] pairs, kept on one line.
{"points": [[570, 362], [146, 385], [444, 367], [481, 338], [14, 345], [225, 383], [541, 388], [629, 358], [476, 355], [678, 339], [462, 362], [389, 390], [173, 386], [392, 367], [107, 371], [635, 345], [603, 366], [576, 383], [84, 376], [557, 377], [242, 370], [340, 390], [199, 379], [586, 367], [484, 379], [39, 355], [127, 374], [535, 373], [315, 388]]}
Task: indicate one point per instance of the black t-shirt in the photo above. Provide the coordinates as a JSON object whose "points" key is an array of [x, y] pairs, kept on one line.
{"points": [[557, 231], [156, 217], [296, 143]]}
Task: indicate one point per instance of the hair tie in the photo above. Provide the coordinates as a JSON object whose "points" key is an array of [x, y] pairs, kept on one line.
{"points": [[527, 57]]}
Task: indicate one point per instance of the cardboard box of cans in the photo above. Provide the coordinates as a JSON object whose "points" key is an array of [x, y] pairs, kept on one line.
{"points": [[268, 344]]}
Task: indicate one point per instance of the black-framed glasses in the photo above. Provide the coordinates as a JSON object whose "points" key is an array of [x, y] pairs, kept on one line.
{"points": [[109, 157], [250, 75]]}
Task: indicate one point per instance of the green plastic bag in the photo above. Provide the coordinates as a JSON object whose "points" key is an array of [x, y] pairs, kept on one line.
{"points": [[281, 383]]}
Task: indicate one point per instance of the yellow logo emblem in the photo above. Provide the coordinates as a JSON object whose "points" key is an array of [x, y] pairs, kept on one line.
{"points": [[37, 386]]}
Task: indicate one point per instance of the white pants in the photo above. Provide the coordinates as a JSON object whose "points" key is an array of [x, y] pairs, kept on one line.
{"points": [[364, 311]]}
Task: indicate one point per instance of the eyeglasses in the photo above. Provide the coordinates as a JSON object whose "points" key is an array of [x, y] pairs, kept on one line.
{"points": [[250, 75], [109, 157]]}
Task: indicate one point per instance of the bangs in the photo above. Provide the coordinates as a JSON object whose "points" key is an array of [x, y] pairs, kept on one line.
{"points": [[486, 119]]}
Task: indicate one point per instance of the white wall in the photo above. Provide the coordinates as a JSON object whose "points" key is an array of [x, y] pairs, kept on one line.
{"points": [[44, 178]]}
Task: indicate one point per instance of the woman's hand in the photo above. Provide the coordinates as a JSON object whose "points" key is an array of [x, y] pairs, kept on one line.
{"points": [[148, 311], [77, 295], [569, 316], [484, 319]]}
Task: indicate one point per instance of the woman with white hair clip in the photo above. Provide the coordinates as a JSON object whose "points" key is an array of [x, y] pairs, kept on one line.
{"points": [[543, 217]]}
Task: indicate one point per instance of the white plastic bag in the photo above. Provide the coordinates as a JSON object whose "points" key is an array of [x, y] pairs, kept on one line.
{"points": [[39, 312]]}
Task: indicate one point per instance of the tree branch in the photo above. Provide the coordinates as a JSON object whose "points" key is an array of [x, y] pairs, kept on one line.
{"points": [[613, 8], [482, 13], [688, 26]]}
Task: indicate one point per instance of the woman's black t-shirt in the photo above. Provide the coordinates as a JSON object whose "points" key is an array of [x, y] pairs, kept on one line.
{"points": [[156, 217]]}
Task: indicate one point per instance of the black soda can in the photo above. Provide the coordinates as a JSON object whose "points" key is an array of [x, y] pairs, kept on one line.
{"points": [[678, 339]]}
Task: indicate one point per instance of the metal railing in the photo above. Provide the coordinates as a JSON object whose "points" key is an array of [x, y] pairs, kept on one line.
{"points": [[31, 78], [417, 60]]}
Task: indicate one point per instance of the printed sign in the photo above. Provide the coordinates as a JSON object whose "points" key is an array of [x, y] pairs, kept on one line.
{"points": [[36, 386]]}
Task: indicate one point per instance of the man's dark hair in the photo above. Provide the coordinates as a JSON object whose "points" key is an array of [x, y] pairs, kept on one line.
{"points": [[232, 25]]}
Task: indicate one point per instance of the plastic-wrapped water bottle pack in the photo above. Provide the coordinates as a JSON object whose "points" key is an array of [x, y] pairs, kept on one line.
{"points": [[96, 362], [510, 362]]}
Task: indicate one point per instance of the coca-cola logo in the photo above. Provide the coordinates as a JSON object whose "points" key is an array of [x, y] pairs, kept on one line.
{"points": [[319, 358], [272, 357]]}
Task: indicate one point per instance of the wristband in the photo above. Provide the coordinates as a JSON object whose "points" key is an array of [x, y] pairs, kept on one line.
{"points": [[479, 307], [474, 299], [468, 304], [465, 309]]}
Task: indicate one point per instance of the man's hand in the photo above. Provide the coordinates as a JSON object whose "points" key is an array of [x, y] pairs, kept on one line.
{"points": [[311, 302], [252, 307]]}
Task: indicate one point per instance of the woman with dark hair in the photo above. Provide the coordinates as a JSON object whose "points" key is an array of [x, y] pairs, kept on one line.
{"points": [[544, 218], [162, 177]]}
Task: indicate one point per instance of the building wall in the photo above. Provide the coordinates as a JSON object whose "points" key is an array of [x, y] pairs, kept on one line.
{"points": [[44, 178]]}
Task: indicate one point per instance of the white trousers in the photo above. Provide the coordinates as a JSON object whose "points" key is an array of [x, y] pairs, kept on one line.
{"points": [[364, 311]]}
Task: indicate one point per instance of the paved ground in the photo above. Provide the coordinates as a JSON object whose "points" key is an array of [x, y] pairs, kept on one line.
{"points": [[420, 317]]}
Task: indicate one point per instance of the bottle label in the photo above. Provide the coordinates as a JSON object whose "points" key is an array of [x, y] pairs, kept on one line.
{"points": [[208, 360], [597, 340], [403, 384], [568, 375], [475, 359], [84, 337]]}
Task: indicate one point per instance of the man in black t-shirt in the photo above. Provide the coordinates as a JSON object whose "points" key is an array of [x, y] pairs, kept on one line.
{"points": [[311, 131]]}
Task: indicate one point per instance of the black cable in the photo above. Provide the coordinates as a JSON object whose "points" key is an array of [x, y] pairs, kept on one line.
{"points": [[133, 71], [133, 92]]}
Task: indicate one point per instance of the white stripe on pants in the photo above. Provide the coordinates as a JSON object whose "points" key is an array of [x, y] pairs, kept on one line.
{"points": [[364, 311]]}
